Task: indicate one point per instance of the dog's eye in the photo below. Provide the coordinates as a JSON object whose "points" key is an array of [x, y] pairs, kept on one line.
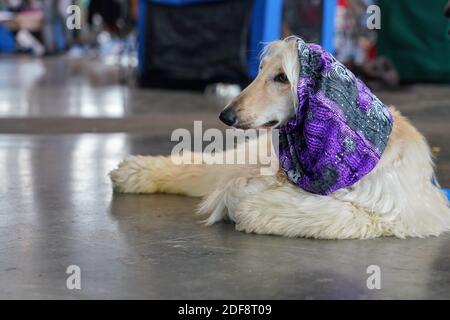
{"points": [[281, 77]]}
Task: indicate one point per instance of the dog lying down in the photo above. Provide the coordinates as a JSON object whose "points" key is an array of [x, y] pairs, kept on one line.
{"points": [[349, 167]]}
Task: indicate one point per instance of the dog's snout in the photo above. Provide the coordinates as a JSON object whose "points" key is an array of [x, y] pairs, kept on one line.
{"points": [[228, 116]]}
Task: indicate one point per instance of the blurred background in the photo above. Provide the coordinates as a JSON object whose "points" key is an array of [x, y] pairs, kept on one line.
{"points": [[189, 44], [110, 65], [84, 83]]}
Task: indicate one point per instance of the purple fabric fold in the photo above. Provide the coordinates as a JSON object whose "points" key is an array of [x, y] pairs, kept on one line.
{"points": [[340, 129]]}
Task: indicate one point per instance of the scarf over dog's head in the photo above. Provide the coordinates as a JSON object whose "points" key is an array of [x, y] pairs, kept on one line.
{"points": [[340, 128]]}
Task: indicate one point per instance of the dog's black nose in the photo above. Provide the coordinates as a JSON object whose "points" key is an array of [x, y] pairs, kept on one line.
{"points": [[228, 116]]}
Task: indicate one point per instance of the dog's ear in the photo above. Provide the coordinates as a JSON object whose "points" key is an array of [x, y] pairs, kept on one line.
{"points": [[292, 38], [292, 66]]}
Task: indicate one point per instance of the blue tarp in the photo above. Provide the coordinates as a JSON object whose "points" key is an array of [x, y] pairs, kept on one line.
{"points": [[7, 41]]}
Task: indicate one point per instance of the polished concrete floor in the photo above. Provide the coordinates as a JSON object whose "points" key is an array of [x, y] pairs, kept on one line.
{"points": [[65, 124]]}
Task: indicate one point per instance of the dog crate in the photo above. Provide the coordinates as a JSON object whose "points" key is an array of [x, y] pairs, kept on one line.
{"points": [[191, 43]]}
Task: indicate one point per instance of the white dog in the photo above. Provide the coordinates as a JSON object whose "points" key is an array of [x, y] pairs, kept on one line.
{"points": [[397, 198]]}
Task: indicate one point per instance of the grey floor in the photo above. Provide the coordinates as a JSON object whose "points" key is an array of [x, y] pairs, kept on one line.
{"points": [[65, 124]]}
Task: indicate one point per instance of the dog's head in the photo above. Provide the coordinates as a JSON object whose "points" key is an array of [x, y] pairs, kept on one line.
{"points": [[270, 100]]}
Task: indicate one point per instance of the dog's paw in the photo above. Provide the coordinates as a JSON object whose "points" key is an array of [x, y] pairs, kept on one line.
{"points": [[134, 175]]}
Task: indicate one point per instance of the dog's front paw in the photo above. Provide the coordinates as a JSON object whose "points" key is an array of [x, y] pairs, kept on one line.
{"points": [[133, 175]]}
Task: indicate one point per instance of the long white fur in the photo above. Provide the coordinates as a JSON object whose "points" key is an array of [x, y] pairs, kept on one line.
{"points": [[396, 199]]}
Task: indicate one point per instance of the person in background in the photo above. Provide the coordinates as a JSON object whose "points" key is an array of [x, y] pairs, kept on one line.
{"points": [[355, 44], [38, 25], [25, 24]]}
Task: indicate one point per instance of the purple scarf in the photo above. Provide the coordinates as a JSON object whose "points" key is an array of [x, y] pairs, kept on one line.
{"points": [[340, 129]]}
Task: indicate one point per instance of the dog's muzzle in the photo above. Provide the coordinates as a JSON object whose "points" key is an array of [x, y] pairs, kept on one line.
{"points": [[228, 116]]}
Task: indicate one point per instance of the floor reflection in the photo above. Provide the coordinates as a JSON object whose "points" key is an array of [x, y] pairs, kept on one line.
{"points": [[36, 87]]}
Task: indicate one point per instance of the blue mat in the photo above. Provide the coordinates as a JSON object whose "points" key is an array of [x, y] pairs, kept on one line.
{"points": [[447, 191]]}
